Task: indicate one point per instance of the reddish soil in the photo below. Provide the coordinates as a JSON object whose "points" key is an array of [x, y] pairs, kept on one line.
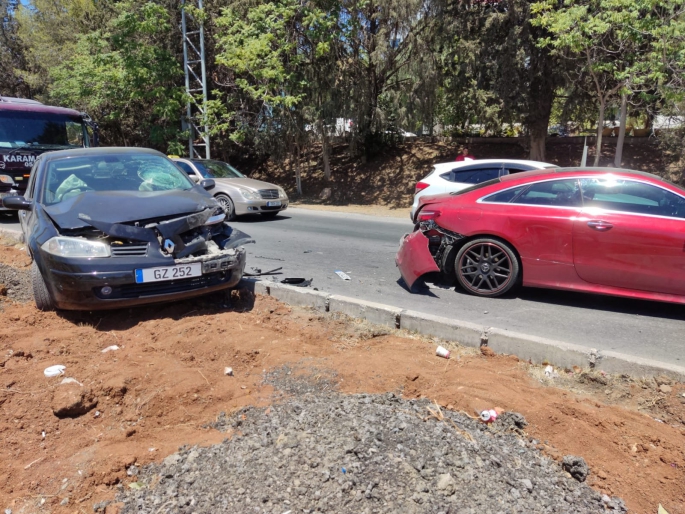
{"points": [[167, 381]]}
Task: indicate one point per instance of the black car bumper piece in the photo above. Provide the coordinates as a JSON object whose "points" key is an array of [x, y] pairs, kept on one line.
{"points": [[83, 290]]}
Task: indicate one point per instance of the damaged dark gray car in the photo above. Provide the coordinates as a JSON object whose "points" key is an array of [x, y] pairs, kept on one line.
{"points": [[116, 227]]}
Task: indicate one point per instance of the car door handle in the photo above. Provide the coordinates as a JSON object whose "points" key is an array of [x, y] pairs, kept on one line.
{"points": [[599, 225]]}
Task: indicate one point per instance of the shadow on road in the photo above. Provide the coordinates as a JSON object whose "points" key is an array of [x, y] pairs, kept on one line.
{"points": [[258, 218], [584, 301]]}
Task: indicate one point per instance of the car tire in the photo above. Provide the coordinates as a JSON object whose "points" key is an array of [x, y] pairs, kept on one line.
{"points": [[227, 205], [41, 295], [271, 214], [487, 267]]}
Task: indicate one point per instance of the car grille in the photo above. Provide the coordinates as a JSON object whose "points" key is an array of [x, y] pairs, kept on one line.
{"points": [[129, 250], [269, 194], [132, 291]]}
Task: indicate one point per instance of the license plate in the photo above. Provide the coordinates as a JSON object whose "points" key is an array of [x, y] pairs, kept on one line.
{"points": [[168, 273], [277, 203]]}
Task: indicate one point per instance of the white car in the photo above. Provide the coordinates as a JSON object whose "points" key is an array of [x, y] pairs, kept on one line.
{"points": [[448, 177]]}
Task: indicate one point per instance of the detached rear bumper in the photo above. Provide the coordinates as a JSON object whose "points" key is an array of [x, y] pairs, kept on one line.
{"points": [[413, 258]]}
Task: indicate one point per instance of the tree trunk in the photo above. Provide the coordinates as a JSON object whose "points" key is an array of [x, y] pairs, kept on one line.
{"points": [[298, 170], [326, 151], [618, 156], [540, 98], [600, 128], [538, 137]]}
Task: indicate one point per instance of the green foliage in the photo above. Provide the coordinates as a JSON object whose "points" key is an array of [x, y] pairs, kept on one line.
{"points": [[125, 77]]}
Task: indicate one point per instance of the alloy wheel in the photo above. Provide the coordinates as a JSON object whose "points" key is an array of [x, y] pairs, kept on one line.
{"points": [[485, 268]]}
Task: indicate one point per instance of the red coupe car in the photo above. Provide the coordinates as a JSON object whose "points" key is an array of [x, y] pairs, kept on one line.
{"points": [[614, 232]]}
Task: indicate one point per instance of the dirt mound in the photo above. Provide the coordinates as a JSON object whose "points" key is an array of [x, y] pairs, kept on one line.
{"points": [[324, 452]]}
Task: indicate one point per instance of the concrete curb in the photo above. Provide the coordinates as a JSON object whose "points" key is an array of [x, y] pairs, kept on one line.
{"points": [[527, 347]]}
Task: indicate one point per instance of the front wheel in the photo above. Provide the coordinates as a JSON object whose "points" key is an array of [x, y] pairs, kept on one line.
{"points": [[487, 267], [41, 295], [227, 205]]}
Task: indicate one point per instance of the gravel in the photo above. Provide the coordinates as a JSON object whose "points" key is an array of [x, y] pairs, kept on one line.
{"points": [[18, 283], [322, 451]]}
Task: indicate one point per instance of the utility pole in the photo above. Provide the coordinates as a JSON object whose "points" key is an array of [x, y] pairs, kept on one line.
{"points": [[196, 80]]}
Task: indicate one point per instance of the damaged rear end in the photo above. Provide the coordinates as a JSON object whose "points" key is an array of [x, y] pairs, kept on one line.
{"points": [[430, 248]]}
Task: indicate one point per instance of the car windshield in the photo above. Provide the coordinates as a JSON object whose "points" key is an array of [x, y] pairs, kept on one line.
{"points": [[21, 129], [72, 176], [217, 169]]}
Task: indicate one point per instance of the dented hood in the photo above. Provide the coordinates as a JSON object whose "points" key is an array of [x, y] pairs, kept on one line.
{"points": [[127, 206]]}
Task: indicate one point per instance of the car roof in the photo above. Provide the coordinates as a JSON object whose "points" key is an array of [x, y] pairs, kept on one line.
{"points": [[100, 150], [24, 105], [458, 164], [587, 171]]}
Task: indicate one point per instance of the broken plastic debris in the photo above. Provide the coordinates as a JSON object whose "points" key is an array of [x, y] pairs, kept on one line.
{"points": [[152, 449], [488, 416], [228, 371], [69, 380], [662, 510], [442, 352], [299, 282], [343, 275], [54, 371], [110, 348]]}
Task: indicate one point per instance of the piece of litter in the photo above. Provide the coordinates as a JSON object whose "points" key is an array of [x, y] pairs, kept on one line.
{"points": [[442, 352], [136, 485], [243, 387], [110, 348], [343, 470], [97, 413], [662, 510], [658, 420], [69, 380], [228, 371], [343, 275], [152, 449], [54, 371], [299, 282], [488, 416], [43, 434]]}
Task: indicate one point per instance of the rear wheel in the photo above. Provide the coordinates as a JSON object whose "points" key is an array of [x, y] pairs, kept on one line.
{"points": [[41, 295], [487, 267], [227, 205]]}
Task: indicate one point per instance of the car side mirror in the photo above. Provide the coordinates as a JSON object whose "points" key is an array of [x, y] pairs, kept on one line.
{"points": [[208, 184], [17, 202]]}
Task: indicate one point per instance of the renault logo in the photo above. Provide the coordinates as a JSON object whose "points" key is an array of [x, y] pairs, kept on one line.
{"points": [[169, 246]]}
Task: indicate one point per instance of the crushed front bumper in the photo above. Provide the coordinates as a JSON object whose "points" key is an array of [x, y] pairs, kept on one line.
{"points": [[414, 258], [74, 289]]}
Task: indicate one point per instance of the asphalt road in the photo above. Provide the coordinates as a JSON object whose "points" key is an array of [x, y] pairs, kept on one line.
{"points": [[315, 244]]}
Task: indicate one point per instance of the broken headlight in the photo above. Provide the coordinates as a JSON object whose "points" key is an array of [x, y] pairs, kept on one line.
{"points": [[249, 195], [75, 247]]}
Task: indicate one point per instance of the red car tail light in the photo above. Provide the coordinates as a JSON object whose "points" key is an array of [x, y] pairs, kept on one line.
{"points": [[421, 186], [428, 214]]}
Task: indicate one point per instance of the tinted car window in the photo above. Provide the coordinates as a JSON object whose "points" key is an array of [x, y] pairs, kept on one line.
{"points": [[71, 176], [559, 193], [476, 176], [631, 196], [477, 186], [217, 169], [504, 196], [185, 167]]}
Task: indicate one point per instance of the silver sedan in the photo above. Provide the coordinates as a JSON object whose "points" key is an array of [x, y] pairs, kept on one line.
{"points": [[236, 193]]}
